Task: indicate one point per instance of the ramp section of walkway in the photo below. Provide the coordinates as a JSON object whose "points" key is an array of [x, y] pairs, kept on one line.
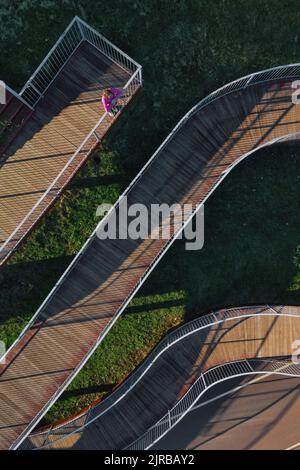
{"points": [[13, 115], [214, 136]]}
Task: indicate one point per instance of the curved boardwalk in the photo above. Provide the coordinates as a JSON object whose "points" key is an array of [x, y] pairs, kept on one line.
{"points": [[99, 283], [170, 372]]}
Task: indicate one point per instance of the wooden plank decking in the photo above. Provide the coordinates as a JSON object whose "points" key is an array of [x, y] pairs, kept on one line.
{"points": [[173, 374], [77, 315], [69, 110]]}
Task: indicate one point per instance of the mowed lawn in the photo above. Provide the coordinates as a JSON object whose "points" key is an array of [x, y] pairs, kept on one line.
{"points": [[252, 222]]}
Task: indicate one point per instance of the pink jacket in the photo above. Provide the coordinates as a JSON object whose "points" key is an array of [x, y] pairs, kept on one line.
{"points": [[107, 102]]}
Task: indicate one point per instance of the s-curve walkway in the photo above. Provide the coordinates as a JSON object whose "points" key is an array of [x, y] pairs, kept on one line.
{"points": [[233, 122]]}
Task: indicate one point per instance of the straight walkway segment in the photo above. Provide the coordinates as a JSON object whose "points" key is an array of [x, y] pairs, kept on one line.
{"points": [[63, 122]]}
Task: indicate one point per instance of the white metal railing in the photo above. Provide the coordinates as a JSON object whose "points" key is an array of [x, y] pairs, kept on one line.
{"points": [[127, 299], [207, 380], [129, 88], [128, 91], [107, 47], [77, 32], [195, 326], [275, 73]]}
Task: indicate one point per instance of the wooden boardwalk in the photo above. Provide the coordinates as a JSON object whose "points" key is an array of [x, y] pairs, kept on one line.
{"points": [[48, 139], [172, 375], [98, 285]]}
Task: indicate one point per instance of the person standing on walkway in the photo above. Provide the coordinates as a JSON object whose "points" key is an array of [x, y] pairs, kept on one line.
{"points": [[110, 98]]}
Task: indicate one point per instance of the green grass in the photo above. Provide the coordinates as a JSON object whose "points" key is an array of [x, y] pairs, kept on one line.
{"points": [[252, 237]]}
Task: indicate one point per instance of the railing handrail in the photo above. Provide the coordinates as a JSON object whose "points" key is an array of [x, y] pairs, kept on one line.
{"points": [[177, 335], [197, 107]]}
